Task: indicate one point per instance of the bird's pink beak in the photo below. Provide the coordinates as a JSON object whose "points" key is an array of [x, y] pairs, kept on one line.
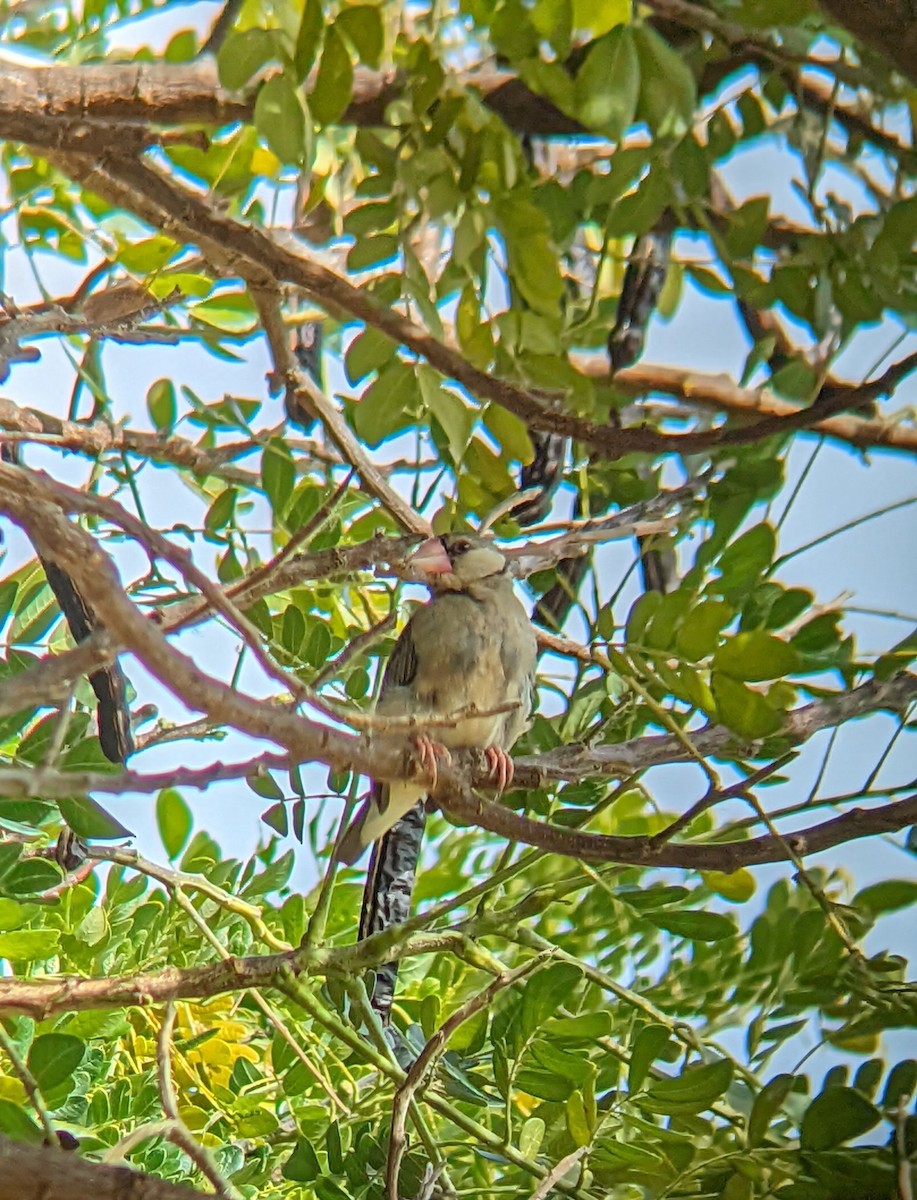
{"points": [[431, 558]]}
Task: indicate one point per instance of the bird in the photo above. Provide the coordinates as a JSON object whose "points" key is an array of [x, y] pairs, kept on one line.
{"points": [[471, 647]]}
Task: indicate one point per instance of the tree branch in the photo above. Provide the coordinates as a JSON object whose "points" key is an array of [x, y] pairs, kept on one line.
{"points": [[646, 852], [777, 416], [150, 94], [303, 392], [96, 438], [49, 1173], [886, 25]]}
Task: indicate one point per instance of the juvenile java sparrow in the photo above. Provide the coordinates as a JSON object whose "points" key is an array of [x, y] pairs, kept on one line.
{"points": [[472, 644]]}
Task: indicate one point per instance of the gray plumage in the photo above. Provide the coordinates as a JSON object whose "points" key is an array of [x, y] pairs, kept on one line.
{"points": [[472, 644]]}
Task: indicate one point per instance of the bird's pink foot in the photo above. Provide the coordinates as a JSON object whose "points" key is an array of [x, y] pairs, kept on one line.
{"points": [[429, 752], [501, 767]]}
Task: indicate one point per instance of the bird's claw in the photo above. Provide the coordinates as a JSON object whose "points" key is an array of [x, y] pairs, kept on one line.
{"points": [[501, 767], [429, 752]]}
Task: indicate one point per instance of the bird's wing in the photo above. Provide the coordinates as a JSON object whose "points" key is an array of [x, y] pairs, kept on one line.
{"points": [[388, 802]]}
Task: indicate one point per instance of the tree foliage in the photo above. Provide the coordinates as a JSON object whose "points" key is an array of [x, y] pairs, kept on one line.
{"points": [[465, 211]]}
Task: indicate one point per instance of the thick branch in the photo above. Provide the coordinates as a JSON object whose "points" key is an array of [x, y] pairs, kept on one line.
{"points": [[566, 764], [774, 415], [150, 94], [886, 25], [725, 856], [48, 1173]]}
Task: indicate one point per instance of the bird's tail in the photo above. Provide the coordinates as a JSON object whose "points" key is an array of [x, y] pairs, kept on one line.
{"points": [[387, 894]]}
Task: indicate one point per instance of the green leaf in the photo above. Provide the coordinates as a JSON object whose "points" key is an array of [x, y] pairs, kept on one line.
{"points": [[387, 405], [642, 612], [587, 1027], [693, 1091], [608, 84], [368, 252], [745, 711], [317, 648], [544, 992], [698, 926], [230, 312], [278, 818], [292, 630], [10, 853], [737, 886], [243, 54], [29, 945], [220, 513], [173, 817], [36, 612], [264, 784], [280, 118], [900, 1085], [376, 217], [553, 20], [334, 82], [450, 411], [361, 24], [756, 656], [898, 658], [277, 474], [652, 1042], [511, 433], [578, 1124], [302, 1166], [31, 876], [887, 896], [272, 878], [201, 854], [53, 1057], [655, 896], [88, 819], [639, 210], [12, 914], [747, 558], [16, 1123], [160, 404], [699, 632], [308, 37], [597, 16], [746, 227], [667, 89], [835, 1116], [767, 1103], [8, 591], [531, 1135], [797, 380], [531, 255], [369, 351]]}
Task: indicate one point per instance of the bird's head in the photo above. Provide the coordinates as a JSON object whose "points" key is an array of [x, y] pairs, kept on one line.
{"points": [[456, 560]]}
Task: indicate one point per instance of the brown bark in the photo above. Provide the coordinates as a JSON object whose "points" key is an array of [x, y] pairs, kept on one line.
{"points": [[46, 1173], [889, 26]]}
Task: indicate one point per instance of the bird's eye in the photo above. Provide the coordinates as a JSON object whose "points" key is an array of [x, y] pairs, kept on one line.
{"points": [[460, 547]]}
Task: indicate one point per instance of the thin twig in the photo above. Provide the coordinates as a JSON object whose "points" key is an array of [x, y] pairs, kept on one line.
{"points": [[178, 1131]]}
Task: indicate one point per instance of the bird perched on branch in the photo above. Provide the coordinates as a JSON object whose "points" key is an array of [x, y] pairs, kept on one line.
{"points": [[466, 661], [471, 645]]}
